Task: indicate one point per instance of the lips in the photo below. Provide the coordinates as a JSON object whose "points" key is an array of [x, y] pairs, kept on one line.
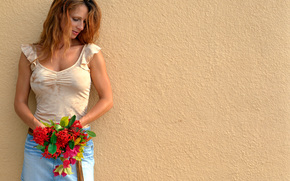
{"points": [[75, 32]]}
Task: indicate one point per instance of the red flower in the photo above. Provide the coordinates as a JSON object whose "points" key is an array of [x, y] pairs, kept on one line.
{"points": [[55, 173], [72, 161], [71, 152], [63, 137], [66, 163], [76, 129], [48, 155], [66, 154], [77, 124], [63, 174], [41, 135]]}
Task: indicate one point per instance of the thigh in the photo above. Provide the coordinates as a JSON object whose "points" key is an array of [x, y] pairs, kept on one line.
{"points": [[34, 166], [88, 162]]}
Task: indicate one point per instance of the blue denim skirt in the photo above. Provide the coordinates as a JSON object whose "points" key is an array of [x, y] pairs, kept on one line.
{"points": [[38, 168]]}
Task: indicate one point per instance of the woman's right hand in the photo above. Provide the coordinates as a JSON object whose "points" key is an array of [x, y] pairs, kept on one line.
{"points": [[37, 124]]}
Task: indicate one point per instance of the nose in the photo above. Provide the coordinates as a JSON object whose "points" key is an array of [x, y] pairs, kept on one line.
{"points": [[81, 25]]}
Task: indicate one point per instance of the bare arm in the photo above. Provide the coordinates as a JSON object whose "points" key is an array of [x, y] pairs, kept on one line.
{"points": [[22, 93], [103, 86]]}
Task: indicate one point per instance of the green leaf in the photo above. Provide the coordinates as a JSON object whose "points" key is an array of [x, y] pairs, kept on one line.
{"points": [[42, 148], [62, 159], [53, 138], [52, 123], [52, 148], [71, 144], [71, 121], [64, 121], [82, 138], [46, 143], [91, 133], [58, 127], [45, 124]]}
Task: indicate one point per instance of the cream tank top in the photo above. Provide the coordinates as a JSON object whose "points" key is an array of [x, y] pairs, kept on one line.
{"points": [[61, 93]]}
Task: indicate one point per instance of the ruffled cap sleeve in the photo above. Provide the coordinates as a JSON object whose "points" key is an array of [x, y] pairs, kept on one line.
{"points": [[30, 54], [89, 52]]}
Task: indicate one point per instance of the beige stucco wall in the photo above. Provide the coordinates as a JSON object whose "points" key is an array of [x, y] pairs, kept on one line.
{"points": [[201, 89]]}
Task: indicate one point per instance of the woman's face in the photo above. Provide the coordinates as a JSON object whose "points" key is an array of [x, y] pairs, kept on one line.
{"points": [[78, 18]]}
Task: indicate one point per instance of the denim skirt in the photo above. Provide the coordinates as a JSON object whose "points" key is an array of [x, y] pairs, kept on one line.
{"points": [[38, 168]]}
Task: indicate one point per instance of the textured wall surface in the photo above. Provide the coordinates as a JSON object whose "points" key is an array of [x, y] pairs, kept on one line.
{"points": [[201, 89]]}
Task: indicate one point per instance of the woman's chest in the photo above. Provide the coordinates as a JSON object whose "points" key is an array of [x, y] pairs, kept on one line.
{"points": [[62, 60], [44, 80]]}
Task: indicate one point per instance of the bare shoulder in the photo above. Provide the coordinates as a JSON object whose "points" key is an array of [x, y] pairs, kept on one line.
{"points": [[24, 70], [97, 60], [23, 60]]}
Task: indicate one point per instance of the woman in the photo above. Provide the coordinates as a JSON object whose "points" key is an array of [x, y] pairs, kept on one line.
{"points": [[59, 69]]}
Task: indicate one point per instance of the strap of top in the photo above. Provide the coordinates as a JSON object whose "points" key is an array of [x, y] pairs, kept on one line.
{"points": [[88, 54], [29, 52]]}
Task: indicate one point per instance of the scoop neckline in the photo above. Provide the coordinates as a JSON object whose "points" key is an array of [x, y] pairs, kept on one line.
{"points": [[66, 69]]}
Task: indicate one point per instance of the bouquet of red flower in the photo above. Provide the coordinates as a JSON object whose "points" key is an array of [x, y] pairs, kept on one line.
{"points": [[65, 140]]}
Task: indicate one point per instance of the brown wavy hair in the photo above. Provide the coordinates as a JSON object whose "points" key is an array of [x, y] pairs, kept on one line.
{"points": [[53, 33]]}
